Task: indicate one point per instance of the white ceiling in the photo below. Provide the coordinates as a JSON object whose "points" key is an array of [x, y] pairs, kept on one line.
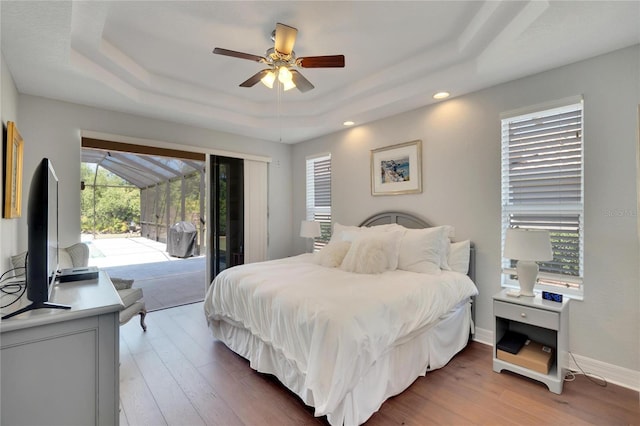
{"points": [[154, 58]]}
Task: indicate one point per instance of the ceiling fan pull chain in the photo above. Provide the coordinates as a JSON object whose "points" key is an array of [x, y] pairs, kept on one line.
{"points": [[278, 101]]}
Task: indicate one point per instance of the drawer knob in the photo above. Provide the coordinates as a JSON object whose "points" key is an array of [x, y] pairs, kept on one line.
{"points": [[523, 315]]}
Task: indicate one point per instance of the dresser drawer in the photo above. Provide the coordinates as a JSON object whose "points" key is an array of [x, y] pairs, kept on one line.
{"points": [[526, 315]]}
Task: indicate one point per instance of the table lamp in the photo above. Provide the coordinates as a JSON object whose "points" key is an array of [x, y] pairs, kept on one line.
{"points": [[527, 246], [310, 229]]}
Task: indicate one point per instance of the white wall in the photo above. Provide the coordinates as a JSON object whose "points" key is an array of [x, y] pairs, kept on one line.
{"points": [[461, 181], [8, 112], [53, 129]]}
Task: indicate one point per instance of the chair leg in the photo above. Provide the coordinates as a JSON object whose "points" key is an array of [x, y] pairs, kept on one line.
{"points": [[143, 313]]}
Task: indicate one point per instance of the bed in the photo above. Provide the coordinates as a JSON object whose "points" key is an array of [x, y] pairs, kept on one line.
{"points": [[347, 331]]}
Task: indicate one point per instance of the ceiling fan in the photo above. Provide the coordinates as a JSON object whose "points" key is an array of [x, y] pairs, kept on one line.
{"points": [[281, 59]]}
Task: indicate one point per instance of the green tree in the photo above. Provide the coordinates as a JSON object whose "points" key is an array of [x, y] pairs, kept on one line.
{"points": [[117, 202]]}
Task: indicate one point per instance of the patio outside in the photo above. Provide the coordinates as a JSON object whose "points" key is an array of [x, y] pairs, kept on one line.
{"points": [[133, 200], [165, 280]]}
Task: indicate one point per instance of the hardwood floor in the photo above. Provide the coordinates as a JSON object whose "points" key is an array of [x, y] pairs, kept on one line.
{"points": [[178, 374]]}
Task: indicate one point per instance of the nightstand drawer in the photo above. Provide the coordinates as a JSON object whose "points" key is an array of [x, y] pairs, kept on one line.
{"points": [[533, 316]]}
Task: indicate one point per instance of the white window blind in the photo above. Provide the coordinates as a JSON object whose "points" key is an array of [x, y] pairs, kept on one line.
{"points": [[542, 188], [319, 196]]}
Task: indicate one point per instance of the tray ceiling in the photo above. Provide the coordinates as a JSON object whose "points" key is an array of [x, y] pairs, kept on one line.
{"points": [[154, 58]]}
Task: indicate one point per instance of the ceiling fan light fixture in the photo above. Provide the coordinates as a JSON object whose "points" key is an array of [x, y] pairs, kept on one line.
{"points": [[284, 75], [286, 78], [288, 85], [268, 79], [281, 61]]}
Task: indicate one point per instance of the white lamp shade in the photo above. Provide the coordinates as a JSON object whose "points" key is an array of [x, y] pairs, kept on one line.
{"points": [[309, 229], [288, 85], [284, 75], [528, 244], [268, 79]]}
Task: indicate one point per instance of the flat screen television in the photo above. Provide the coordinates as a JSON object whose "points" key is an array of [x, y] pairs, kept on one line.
{"points": [[42, 239]]}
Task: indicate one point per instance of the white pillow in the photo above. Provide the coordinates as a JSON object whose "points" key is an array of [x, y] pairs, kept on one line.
{"points": [[459, 254], [450, 232], [390, 242], [122, 284], [367, 255], [424, 250], [332, 254], [349, 233], [391, 237], [384, 227], [340, 230]]}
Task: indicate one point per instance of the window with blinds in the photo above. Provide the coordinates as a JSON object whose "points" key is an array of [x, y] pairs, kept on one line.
{"points": [[319, 196], [542, 188]]}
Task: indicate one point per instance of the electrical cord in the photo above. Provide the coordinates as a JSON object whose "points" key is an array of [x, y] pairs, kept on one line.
{"points": [[12, 270], [13, 288], [594, 378]]}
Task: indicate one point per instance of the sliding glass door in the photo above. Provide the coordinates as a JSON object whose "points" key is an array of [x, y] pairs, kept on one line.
{"points": [[227, 213]]}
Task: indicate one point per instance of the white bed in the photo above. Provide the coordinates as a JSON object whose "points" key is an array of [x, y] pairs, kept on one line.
{"points": [[344, 342]]}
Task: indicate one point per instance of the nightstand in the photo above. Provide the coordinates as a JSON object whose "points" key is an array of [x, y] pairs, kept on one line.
{"points": [[542, 321]]}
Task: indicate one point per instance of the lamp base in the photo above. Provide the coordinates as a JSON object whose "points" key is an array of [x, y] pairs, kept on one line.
{"points": [[309, 244], [527, 276]]}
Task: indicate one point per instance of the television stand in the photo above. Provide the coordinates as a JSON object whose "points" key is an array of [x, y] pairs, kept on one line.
{"points": [[76, 351], [37, 305]]}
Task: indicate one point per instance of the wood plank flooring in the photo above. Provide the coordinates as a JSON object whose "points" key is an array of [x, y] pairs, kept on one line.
{"points": [[178, 374]]}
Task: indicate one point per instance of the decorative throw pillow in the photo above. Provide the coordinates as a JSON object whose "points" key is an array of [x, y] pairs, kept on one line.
{"points": [[459, 254], [421, 250], [18, 263], [367, 255], [332, 254], [121, 284]]}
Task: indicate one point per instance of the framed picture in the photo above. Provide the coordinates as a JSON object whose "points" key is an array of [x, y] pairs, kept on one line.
{"points": [[13, 172], [396, 169]]}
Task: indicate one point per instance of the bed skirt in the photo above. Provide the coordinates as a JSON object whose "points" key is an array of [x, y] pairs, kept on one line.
{"points": [[429, 349]]}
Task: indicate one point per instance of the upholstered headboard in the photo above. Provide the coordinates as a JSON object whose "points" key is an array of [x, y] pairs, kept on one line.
{"points": [[413, 222], [404, 219]]}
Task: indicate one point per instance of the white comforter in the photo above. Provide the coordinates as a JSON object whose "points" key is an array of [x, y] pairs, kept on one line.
{"points": [[331, 324]]}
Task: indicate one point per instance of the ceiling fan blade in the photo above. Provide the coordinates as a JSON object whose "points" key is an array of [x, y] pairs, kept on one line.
{"points": [[301, 82], [241, 55], [251, 81], [333, 61], [285, 38]]}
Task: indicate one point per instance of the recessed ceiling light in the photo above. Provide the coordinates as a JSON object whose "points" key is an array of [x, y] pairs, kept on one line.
{"points": [[348, 123], [441, 95]]}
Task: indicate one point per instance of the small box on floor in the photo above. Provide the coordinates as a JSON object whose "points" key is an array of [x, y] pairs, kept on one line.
{"points": [[533, 355]]}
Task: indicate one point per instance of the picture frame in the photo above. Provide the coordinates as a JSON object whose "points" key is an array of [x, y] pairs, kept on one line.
{"points": [[13, 156], [397, 169]]}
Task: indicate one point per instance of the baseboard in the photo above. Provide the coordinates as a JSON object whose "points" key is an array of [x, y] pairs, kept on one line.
{"points": [[611, 373], [483, 336]]}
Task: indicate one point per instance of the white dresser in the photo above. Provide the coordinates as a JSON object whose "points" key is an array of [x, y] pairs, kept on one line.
{"points": [[61, 367]]}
